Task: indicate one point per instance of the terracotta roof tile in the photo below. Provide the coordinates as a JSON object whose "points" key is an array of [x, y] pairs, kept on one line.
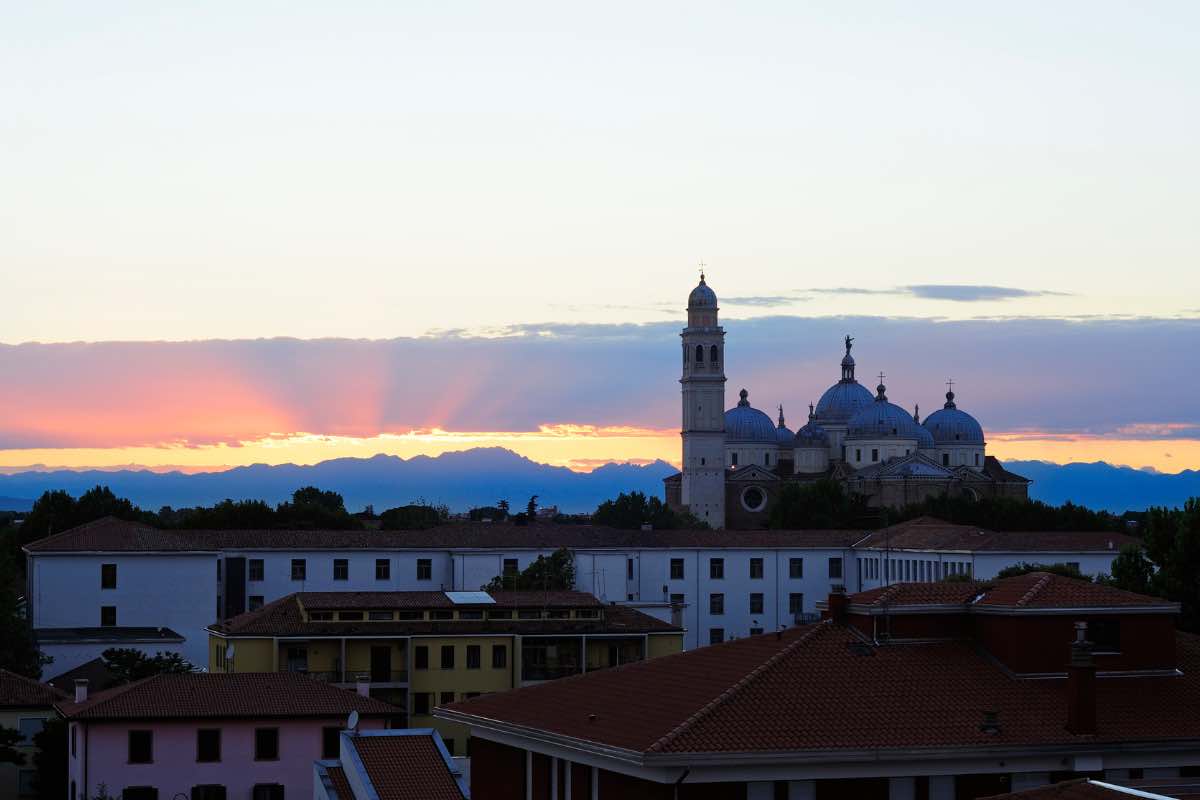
{"points": [[410, 600], [931, 533], [1028, 591], [407, 767], [824, 688], [17, 691], [337, 776], [221, 695], [110, 534]]}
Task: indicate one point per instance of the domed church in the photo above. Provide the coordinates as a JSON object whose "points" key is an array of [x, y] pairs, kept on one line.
{"points": [[736, 461]]}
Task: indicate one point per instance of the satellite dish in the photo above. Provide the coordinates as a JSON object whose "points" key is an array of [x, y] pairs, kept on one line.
{"points": [[352, 722], [229, 651]]}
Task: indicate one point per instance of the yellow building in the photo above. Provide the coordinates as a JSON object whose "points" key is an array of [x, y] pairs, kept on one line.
{"points": [[25, 705], [420, 650]]}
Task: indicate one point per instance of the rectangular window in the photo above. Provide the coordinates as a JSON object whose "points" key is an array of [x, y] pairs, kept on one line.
{"points": [[383, 569], [447, 656], [299, 569], [629, 569], [857, 454], [139, 793], [341, 569], [320, 616], [331, 742], [379, 616], [716, 635], [350, 616], [676, 569], [716, 568], [108, 616], [795, 568], [254, 602], [678, 600], [267, 791], [424, 569], [420, 657], [756, 631], [499, 656], [835, 568], [1105, 635], [108, 576], [796, 603], [874, 454], [503, 613], [208, 744], [141, 747], [421, 703], [716, 604], [474, 657], [529, 613], [756, 569], [410, 615], [266, 744], [756, 603], [437, 614], [510, 567], [446, 698], [254, 569], [208, 791]]}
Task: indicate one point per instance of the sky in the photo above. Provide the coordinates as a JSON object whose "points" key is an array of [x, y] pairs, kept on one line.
{"points": [[235, 233]]}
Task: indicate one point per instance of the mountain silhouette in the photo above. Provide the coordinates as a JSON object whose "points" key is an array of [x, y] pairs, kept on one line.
{"points": [[481, 476]]}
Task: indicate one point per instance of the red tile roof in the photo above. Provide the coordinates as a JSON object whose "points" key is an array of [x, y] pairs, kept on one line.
{"points": [[111, 534], [221, 695], [930, 533], [406, 767], [1029, 591], [285, 617], [822, 687], [341, 786], [424, 600], [17, 691]]}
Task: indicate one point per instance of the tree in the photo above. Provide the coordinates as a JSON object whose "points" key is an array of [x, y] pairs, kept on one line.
{"points": [[503, 506], [48, 760], [1131, 571], [1172, 539], [9, 754], [18, 651], [1024, 568], [312, 496], [225, 515], [553, 574], [314, 508], [822, 504], [631, 511], [493, 513], [531, 507], [414, 516], [127, 664], [1010, 514]]}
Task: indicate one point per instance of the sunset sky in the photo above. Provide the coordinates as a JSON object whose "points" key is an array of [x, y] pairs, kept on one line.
{"points": [[235, 233]]}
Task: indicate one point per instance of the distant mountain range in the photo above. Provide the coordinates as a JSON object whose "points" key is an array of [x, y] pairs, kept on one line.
{"points": [[482, 476]]}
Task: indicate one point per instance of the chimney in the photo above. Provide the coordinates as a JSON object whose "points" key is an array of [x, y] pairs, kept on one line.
{"points": [[1081, 684], [81, 687], [838, 604], [362, 684]]}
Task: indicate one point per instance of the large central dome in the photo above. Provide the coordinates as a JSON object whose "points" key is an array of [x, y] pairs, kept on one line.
{"points": [[842, 400], [744, 423]]}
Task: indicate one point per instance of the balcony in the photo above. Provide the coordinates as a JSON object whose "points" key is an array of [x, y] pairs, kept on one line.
{"points": [[351, 676], [536, 672]]}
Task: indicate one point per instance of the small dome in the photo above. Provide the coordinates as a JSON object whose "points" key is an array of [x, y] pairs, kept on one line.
{"points": [[744, 423], [883, 420], [812, 434], [702, 296], [949, 425], [782, 432], [841, 401]]}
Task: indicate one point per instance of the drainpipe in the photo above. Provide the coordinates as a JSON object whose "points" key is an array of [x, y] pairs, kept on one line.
{"points": [[680, 780]]}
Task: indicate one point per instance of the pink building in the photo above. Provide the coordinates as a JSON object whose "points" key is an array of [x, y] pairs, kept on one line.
{"points": [[247, 736]]}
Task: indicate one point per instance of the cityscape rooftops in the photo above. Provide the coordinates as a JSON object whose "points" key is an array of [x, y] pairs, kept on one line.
{"points": [[931, 533], [224, 695], [17, 691], [824, 688]]}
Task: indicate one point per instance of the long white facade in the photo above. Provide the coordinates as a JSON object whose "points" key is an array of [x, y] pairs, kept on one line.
{"points": [[718, 592]]}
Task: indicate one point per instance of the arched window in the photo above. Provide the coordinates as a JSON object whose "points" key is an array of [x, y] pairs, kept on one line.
{"points": [[699, 354], [712, 354]]}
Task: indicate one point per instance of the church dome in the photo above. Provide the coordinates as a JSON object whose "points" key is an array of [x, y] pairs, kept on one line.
{"points": [[883, 420], [744, 423], [949, 425], [812, 434], [702, 296], [844, 398]]}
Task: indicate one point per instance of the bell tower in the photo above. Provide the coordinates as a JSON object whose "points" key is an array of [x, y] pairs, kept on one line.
{"points": [[703, 431]]}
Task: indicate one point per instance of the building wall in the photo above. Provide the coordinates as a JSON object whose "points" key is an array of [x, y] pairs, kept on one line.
{"points": [[102, 749], [176, 591], [980, 565], [1043, 644], [459, 680], [10, 774], [865, 452]]}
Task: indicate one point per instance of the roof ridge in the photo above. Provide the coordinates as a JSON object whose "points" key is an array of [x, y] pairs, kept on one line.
{"points": [[737, 687], [1035, 590]]}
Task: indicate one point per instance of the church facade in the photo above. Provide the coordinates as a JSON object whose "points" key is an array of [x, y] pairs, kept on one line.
{"points": [[737, 461]]}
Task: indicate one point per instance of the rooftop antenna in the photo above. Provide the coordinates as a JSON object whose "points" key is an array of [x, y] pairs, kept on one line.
{"points": [[352, 721], [702, 265]]}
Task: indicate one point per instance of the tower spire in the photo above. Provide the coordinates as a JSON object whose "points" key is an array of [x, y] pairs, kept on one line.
{"points": [[950, 395], [781, 415]]}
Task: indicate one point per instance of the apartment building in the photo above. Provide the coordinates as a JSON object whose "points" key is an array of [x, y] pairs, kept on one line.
{"points": [[25, 705], [420, 650], [134, 585]]}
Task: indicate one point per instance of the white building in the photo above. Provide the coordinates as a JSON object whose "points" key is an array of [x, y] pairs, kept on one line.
{"points": [[113, 583]]}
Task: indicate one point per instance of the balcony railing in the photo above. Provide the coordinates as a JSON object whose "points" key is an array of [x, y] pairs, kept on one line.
{"points": [[351, 676], [540, 673]]}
